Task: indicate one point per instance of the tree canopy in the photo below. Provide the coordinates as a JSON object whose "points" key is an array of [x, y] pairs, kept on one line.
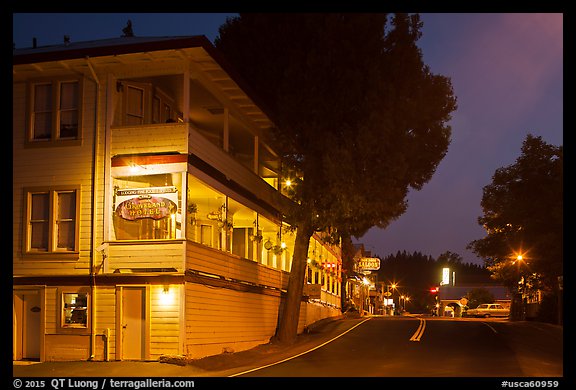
{"points": [[523, 215], [359, 117]]}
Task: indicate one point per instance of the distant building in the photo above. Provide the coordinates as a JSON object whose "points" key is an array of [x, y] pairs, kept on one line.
{"points": [[453, 297]]}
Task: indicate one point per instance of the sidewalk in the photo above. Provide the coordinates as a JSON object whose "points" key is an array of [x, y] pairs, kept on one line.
{"points": [[222, 365]]}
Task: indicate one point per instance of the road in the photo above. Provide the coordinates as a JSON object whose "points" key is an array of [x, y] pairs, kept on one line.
{"points": [[368, 349], [430, 347]]}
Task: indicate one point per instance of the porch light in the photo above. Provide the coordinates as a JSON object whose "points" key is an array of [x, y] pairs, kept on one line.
{"points": [[135, 168], [167, 296]]}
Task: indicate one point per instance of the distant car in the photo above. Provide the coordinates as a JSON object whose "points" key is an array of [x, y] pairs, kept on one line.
{"points": [[488, 310]]}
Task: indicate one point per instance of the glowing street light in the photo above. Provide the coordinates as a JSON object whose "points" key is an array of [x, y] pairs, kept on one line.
{"points": [[520, 258]]}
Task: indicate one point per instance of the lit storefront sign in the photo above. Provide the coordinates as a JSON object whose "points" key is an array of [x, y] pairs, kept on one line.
{"points": [[446, 277], [369, 264], [138, 203]]}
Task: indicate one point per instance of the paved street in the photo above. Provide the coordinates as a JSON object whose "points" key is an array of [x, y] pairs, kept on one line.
{"points": [[367, 347]]}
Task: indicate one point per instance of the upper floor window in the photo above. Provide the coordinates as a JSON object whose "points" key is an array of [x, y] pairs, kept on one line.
{"points": [[145, 103], [51, 220], [55, 110]]}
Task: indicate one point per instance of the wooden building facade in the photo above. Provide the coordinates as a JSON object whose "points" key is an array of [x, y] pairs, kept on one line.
{"points": [[147, 206]]}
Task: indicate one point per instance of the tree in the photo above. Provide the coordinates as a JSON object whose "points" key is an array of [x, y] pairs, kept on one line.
{"points": [[523, 215], [449, 257], [360, 119]]}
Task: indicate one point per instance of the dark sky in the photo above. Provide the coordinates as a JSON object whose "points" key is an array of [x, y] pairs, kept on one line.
{"points": [[507, 73]]}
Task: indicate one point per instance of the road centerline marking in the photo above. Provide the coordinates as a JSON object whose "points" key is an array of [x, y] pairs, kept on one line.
{"points": [[420, 331]]}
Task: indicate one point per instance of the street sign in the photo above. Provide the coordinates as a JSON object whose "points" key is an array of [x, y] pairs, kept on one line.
{"points": [[369, 264]]}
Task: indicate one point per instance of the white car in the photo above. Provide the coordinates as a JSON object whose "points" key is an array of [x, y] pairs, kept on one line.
{"points": [[489, 310]]}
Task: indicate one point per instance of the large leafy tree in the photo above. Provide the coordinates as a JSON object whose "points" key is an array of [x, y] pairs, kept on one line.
{"points": [[523, 215], [360, 119]]}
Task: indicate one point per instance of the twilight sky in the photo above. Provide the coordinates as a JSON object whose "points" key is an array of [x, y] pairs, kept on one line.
{"points": [[507, 74]]}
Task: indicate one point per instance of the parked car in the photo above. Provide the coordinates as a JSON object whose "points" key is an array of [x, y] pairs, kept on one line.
{"points": [[488, 310]]}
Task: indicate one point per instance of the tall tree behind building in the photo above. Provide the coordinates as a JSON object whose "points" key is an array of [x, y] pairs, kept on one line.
{"points": [[360, 119]]}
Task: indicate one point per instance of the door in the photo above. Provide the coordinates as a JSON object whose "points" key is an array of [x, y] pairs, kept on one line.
{"points": [[27, 321], [133, 323]]}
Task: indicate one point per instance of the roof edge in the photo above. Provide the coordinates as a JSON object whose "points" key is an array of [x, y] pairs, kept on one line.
{"points": [[61, 53]]}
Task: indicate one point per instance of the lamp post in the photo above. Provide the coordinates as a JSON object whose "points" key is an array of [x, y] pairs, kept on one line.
{"points": [[518, 260], [365, 295], [393, 285]]}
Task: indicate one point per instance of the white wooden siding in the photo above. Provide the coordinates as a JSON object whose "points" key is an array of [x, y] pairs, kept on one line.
{"points": [[157, 138], [51, 310], [52, 166], [160, 254], [209, 260], [105, 316], [165, 320], [219, 319]]}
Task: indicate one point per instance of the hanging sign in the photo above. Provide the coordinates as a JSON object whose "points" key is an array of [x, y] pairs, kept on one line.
{"points": [[369, 264], [138, 203]]}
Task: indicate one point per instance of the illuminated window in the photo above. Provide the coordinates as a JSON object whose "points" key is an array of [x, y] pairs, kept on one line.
{"points": [[74, 310], [147, 207]]}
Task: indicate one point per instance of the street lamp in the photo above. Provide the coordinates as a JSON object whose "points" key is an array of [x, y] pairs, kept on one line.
{"points": [[393, 285], [403, 300], [365, 294], [519, 258]]}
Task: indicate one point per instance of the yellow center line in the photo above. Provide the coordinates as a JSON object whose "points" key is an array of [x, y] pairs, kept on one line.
{"points": [[300, 354], [420, 331]]}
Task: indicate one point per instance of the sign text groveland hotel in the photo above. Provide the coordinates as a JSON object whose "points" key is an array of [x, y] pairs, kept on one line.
{"points": [[137, 203]]}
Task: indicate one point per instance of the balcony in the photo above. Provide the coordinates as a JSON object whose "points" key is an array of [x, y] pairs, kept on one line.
{"points": [[205, 157]]}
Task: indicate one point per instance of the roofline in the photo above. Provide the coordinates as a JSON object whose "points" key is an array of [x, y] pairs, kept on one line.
{"points": [[61, 53], [65, 53]]}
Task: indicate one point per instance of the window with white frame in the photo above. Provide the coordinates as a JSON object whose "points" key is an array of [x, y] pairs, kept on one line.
{"points": [[51, 220], [55, 110], [74, 309]]}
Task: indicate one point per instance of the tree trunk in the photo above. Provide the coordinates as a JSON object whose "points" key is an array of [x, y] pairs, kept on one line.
{"points": [[289, 316]]}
